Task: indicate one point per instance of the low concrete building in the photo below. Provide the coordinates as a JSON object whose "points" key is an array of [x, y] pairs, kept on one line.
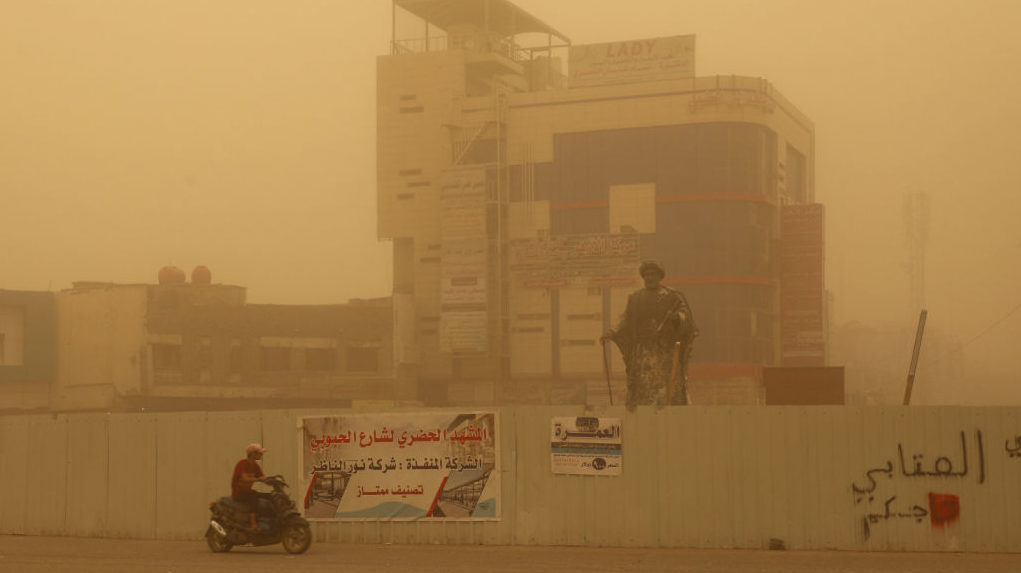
{"points": [[27, 349], [192, 346]]}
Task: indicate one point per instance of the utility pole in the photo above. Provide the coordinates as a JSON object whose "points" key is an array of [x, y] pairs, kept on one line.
{"points": [[914, 357], [916, 235]]}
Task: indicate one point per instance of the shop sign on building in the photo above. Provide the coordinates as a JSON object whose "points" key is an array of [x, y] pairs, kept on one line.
{"points": [[632, 61], [463, 263], [576, 260], [802, 286]]}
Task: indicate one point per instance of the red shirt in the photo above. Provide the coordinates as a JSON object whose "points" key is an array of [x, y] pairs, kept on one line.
{"points": [[244, 466]]}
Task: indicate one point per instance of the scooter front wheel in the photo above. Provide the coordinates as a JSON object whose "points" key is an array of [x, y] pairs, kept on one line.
{"points": [[296, 537], [217, 543]]}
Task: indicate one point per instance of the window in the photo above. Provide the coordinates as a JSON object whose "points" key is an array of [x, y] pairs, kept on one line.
{"points": [[362, 359], [12, 335], [166, 357], [204, 356], [797, 175], [528, 220], [236, 357], [585, 316], [633, 208], [320, 359], [275, 358]]}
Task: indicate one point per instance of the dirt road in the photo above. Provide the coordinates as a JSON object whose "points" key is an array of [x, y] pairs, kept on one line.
{"points": [[30, 554]]}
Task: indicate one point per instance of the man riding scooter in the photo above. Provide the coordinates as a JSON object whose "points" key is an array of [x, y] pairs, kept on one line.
{"points": [[277, 520], [246, 472]]}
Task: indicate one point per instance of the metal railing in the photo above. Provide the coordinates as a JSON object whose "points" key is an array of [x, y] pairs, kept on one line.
{"points": [[418, 45], [478, 43]]}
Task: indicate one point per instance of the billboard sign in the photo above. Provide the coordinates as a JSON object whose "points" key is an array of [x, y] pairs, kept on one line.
{"points": [[586, 445], [463, 262], [576, 260], [400, 466], [633, 61], [802, 286]]}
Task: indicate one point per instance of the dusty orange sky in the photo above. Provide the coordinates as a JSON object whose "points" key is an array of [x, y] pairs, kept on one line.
{"points": [[240, 135]]}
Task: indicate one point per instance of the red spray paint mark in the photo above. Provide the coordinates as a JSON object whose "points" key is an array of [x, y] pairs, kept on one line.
{"points": [[436, 499], [944, 509], [308, 492]]}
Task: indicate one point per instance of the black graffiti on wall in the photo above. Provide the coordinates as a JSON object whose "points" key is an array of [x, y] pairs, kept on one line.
{"points": [[915, 512], [955, 465], [1014, 451], [861, 492], [943, 508]]}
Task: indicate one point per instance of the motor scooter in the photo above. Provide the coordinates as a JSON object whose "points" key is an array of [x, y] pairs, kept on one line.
{"points": [[278, 518]]}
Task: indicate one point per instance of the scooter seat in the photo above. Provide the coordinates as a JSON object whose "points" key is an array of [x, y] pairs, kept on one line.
{"points": [[233, 504], [263, 507]]}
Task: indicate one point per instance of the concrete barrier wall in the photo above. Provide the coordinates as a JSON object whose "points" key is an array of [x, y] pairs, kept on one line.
{"points": [[869, 478]]}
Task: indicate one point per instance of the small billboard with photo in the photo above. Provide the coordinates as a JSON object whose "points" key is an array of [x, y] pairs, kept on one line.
{"points": [[586, 445]]}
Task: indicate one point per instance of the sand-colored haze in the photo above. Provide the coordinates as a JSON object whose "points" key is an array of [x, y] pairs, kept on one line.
{"points": [[241, 135]]}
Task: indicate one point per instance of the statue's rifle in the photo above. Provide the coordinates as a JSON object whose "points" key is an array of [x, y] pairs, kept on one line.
{"points": [[606, 370], [669, 313], [676, 352], [674, 367]]}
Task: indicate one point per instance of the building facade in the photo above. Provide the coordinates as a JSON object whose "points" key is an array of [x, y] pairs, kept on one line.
{"points": [[520, 200], [28, 346], [191, 346]]}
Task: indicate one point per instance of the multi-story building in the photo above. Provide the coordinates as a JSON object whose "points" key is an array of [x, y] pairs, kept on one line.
{"points": [[520, 200]]}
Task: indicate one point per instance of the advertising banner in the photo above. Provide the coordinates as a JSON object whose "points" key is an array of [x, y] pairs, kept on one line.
{"points": [[401, 466], [645, 60], [576, 260], [586, 446], [802, 286], [464, 317]]}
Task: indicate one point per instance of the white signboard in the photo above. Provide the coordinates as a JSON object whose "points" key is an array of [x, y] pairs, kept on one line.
{"points": [[632, 61], [576, 260], [464, 261], [586, 446], [464, 293], [463, 331]]}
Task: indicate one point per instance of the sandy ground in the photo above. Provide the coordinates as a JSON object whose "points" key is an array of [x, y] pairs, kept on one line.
{"points": [[32, 554]]}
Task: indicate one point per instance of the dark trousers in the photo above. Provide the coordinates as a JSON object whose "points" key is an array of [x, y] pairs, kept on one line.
{"points": [[251, 498]]}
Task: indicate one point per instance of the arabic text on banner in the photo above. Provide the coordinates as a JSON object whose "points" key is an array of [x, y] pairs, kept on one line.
{"points": [[586, 446], [401, 466]]}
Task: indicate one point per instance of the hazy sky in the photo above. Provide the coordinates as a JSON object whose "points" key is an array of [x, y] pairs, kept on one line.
{"points": [[241, 135]]}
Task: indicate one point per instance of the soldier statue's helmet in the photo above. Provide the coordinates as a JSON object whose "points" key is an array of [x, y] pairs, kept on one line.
{"points": [[652, 265]]}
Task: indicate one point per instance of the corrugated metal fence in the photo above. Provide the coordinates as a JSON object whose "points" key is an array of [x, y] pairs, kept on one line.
{"points": [[869, 478]]}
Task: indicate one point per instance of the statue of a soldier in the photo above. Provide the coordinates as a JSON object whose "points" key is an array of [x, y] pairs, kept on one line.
{"points": [[655, 337]]}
